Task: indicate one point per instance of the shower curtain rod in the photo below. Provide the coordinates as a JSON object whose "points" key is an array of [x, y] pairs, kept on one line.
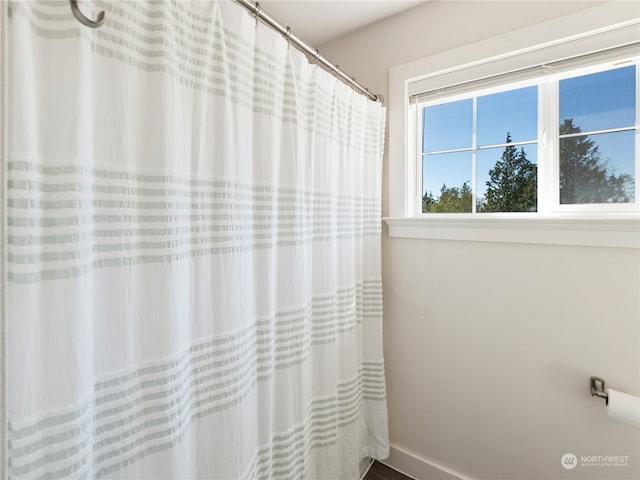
{"points": [[257, 12]]}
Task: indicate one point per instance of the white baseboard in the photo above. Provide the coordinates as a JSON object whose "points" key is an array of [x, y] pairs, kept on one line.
{"points": [[418, 467]]}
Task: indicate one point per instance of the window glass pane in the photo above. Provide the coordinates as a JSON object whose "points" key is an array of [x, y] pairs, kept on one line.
{"points": [[446, 182], [514, 113], [448, 126], [507, 179], [597, 168], [598, 101]]}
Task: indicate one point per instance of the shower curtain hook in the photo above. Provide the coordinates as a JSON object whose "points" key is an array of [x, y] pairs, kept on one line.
{"points": [[288, 36], [256, 13], [317, 57], [84, 20]]}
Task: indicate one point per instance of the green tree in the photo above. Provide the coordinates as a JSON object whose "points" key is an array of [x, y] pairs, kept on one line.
{"points": [[512, 184], [451, 200], [585, 176], [427, 201]]}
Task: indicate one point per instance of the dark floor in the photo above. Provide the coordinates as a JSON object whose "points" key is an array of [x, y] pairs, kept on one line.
{"points": [[379, 471]]}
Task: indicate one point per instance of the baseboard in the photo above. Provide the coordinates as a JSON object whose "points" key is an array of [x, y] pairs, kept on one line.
{"points": [[417, 467]]}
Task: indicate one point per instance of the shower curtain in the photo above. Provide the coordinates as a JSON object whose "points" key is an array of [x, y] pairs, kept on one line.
{"points": [[193, 285]]}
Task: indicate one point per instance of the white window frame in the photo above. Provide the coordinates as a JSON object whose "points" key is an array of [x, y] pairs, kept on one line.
{"points": [[588, 31], [547, 141]]}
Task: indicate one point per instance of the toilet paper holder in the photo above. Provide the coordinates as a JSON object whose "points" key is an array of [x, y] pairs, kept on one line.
{"points": [[597, 389]]}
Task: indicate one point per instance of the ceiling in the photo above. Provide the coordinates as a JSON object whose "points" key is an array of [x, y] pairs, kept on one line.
{"points": [[320, 21]]}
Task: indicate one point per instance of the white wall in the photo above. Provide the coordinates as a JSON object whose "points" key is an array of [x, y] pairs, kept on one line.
{"points": [[491, 380]]}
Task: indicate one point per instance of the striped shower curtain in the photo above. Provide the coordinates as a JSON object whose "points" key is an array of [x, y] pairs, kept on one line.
{"points": [[193, 285]]}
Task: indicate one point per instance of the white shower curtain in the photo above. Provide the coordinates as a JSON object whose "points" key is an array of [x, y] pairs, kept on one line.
{"points": [[193, 285]]}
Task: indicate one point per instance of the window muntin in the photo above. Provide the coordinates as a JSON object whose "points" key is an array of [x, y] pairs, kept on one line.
{"points": [[566, 97]]}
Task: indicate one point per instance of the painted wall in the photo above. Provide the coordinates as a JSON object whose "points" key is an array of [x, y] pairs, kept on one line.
{"points": [[489, 346]]}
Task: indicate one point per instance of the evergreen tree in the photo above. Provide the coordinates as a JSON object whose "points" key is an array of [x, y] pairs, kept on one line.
{"points": [[512, 184], [452, 200], [584, 175], [427, 201]]}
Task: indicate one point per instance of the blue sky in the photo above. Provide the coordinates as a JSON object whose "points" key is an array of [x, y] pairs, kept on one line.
{"points": [[600, 100], [597, 101]]}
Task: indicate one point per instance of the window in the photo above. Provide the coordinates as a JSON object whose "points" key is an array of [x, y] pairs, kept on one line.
{"points": [[565, 63], [558, 141]]}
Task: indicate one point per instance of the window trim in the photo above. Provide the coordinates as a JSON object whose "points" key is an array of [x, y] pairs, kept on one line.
{"points": [[604, 26], [618, 232]]}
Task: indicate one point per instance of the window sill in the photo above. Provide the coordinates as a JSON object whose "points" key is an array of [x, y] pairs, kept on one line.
{"points": [[613, 231]]}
